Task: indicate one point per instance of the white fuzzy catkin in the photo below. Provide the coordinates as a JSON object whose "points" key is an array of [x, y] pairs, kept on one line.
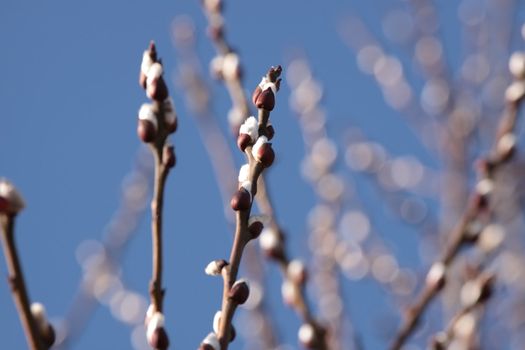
{"points": [[212, 269], [39, 314], [268, 239], [156, 321], [147, 61], [250, 127], [154, 72], [266, 83], [169, 110], [296, 270], [244, 173], [216, 321], [146, 113], [257, 146], [306, 333], [230, 66], [517, 65], [247, 185], [212, 340], [436, 273], [149, 314]]}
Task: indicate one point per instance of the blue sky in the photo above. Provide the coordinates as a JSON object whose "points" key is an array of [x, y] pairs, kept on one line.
{"points": [[70, 97]]}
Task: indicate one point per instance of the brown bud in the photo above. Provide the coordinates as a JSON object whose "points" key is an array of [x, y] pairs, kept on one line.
{"points": [[48, 336], [168, 157], [146, 130], [206, 347], [216, 31], [157, 90], [159, 339], [266, 155], [243, 141], [270, 132], [11, 202], [152, 51], [233, 333], [255, 229], [4, 205], [486, 289], [485, 167], [239, 292], [480, 202], [265, 100], [241, 200], [256, 94]]}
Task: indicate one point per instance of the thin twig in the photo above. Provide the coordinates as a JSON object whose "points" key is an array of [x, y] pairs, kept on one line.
{"points": [[157, 204], [18, 286]]}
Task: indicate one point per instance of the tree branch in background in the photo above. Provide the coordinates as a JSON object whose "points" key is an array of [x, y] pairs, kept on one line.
{"points": [[474, 218]]}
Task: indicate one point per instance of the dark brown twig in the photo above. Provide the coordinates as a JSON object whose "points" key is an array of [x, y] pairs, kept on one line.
{"points": [[18, 286]]}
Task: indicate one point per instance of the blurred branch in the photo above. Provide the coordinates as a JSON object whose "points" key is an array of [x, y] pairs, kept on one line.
{"points": [[467, 228], [98, 280]]}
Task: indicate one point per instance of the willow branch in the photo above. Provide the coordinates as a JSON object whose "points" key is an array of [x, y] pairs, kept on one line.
{"points": [[18, 286]]}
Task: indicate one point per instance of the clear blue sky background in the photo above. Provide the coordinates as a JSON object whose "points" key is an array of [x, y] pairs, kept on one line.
{"points": [[69, 99]]}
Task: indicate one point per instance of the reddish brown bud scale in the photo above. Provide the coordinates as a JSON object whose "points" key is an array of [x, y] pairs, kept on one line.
{"points": [[255, 229], [159, 339], [256, 94], [215, 31], [158, 90], [152, 51], [49, 336], [243, 141], [266, 155], [239, 292], [146, 130], [206, 347], [270, 132], [4, 205], [265, 100], [168, 157], [241, 200]]}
